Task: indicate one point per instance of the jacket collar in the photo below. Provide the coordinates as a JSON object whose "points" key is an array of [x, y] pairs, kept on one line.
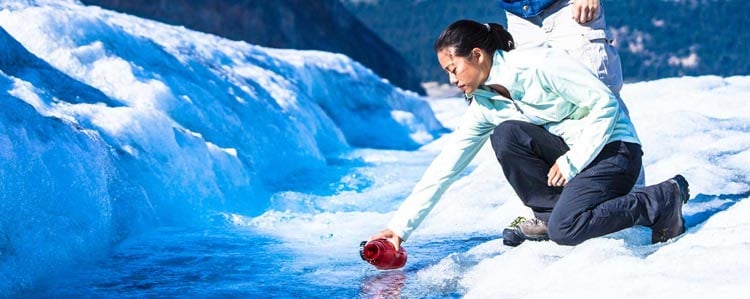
{"points": [[500, 74]]}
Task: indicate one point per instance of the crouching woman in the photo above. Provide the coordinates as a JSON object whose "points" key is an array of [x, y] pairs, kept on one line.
{"points": [[564, 143]]}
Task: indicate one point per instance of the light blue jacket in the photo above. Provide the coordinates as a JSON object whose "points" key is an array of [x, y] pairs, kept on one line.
{"points": [[548, 88]]}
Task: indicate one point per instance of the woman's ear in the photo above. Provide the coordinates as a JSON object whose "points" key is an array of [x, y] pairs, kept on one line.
{"points": [[476, 53], [480, 56]]}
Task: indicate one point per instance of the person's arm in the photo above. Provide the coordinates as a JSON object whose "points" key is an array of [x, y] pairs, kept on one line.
{"points": [[441, 173], [596, 105], [584, 10]]}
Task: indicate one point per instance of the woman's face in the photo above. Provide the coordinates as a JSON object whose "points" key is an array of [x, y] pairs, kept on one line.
{"points": [[465, 72]]}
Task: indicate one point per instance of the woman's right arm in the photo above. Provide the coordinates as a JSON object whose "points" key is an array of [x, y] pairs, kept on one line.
{"points": [[441, 173]]}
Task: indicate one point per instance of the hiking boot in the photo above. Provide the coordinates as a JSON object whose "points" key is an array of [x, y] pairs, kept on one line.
{"points": [[522, 229], [670, 223]]}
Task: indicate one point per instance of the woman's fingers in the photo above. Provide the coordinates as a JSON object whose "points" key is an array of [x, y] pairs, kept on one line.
{"points": [[555, 177], [388, 235]]}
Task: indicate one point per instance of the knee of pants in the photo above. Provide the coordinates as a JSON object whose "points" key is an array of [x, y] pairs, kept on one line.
{"points": [[561, 233], [504, 135]]}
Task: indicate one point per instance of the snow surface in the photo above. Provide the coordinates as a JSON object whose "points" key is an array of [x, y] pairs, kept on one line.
{"points": [[113, 125], [696, 126]]}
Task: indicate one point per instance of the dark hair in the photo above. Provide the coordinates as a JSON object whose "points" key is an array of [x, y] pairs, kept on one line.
{"points": [[465, 35]]}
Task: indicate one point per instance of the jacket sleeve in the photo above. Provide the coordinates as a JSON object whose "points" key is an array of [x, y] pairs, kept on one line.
{"points": [[597, 108], [442, 172]]}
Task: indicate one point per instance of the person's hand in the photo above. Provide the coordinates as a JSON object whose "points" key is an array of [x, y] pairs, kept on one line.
{"points": [[390, 236], [555, 177], [585, 10]]}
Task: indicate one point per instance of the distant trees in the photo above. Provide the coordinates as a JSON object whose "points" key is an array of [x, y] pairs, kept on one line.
{"points": [[656, 39]]}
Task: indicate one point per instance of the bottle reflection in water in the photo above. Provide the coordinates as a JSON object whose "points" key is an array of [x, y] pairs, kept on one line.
{"points": [[384, 284]]}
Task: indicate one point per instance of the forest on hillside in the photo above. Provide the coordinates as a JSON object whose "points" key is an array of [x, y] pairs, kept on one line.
{"points": [[655, 39]]}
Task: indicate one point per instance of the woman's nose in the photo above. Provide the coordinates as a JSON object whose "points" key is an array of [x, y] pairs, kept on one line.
{"points": [[452, 79]]}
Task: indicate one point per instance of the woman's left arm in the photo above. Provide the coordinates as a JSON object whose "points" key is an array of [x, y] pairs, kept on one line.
{"points": [[574, 83]]}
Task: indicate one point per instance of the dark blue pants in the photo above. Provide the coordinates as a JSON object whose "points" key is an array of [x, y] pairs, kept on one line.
{"points": [[596, 202]]}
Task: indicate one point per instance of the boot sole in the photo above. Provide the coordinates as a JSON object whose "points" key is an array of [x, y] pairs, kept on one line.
{"points": [[512, 237]]}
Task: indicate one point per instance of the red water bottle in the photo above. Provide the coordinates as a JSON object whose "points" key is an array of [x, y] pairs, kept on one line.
{"points": [[382, 254]]}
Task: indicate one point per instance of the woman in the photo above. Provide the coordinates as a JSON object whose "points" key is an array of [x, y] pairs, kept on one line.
{"points": [[564, 143]]}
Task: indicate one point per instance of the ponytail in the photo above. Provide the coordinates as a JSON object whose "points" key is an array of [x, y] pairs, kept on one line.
{"points": [[465, 35]]}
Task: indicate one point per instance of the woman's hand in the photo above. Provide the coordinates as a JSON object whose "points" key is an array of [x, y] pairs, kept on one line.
{"points": [[555, 177], [390, 236], [585, 10]]}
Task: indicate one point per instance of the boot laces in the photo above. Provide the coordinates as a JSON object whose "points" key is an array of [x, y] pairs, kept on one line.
{"points": [[517, 221]]}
